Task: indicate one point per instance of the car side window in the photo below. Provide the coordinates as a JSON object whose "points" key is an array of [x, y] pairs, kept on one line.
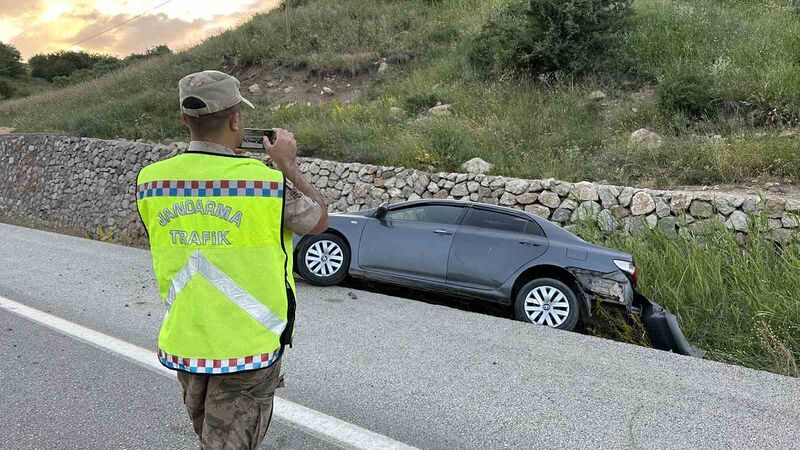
{"points": [[443, 214], [492, 220]]}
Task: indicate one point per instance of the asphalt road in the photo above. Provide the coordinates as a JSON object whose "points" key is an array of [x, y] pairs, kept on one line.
{"points": [[426, 375]]}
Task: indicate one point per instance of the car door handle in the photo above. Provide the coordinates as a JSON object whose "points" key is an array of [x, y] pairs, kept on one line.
{"points": [[530, 243], [442, 232]]}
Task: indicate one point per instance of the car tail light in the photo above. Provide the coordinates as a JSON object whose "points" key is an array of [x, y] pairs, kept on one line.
{"points": [[629, 267]]}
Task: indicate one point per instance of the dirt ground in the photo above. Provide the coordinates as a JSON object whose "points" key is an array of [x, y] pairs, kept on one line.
{"points": [[283, 86]]}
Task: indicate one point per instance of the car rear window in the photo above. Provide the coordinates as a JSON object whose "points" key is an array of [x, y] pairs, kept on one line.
{"points": [[443, 214], [492, 220]]}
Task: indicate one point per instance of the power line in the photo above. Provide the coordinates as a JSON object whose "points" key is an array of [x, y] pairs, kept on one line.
{"points": [[121, 23], [108, 29]]}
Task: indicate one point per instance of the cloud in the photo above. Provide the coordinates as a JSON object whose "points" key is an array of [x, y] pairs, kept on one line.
{"points": [[82, 20], [21, 9]]}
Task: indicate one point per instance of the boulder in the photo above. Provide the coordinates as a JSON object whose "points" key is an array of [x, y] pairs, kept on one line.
{"points": [[626, 196], [517, 187], [647, 138], [254, 89], [527, 198], [477, 165], [790, 220], [751, 205], [642, 203], [441, 111], [568, 204], [459, 190], [585, 191], [662, 208], [561, 215], [723, 205], [597, 95], [701, 210], [793, 206], [680, 202], [608, 195], [774, 207], [549, 199], [586, 210], [562, 188], [395, 111], [539, 210], [667, 224], [508, 199], [606, 221], [738, 221]]}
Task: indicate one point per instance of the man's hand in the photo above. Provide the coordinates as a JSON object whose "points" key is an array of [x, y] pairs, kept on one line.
{"points": [[283, 151]]}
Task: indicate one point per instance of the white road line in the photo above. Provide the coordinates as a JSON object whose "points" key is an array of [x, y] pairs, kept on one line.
{"points": [[316, 423]]}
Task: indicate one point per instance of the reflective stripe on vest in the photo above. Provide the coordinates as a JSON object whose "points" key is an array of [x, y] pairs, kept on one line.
{"points": [[198, 264]]}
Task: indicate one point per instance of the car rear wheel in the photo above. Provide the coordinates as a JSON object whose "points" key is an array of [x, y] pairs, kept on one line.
{"points": [[548, 302], [323, 259]]}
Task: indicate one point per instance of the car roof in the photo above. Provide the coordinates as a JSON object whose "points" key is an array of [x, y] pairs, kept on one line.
{"points": [[551, 229], [462, 203]]}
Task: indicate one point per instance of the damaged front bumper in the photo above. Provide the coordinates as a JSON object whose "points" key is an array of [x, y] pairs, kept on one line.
{"points": [[663, 328], [615, 289]]}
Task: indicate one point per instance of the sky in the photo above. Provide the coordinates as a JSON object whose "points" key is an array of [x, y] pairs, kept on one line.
{"points": [[38, 26]]}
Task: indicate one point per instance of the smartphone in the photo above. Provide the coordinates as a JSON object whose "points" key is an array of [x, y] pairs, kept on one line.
{"points": [[253, 139]]}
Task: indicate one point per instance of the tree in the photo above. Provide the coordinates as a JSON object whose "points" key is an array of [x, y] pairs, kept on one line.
{"points": [[158, 50], [10, 64], [64, 63]]}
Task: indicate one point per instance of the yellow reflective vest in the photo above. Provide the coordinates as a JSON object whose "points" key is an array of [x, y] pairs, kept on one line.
{"points": [[222, 259]]}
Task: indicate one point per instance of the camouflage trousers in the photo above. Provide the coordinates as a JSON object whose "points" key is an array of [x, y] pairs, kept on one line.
{"points": [[233, 411]]}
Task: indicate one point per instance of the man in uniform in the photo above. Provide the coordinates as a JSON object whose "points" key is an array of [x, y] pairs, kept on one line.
{"points": [[220, 227]]}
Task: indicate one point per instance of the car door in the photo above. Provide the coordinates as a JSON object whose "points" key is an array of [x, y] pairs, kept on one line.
{"points": [[412, 241], [490, 246]]}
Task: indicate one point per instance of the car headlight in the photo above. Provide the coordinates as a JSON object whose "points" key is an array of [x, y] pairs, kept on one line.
{"points": [[628, 267]]}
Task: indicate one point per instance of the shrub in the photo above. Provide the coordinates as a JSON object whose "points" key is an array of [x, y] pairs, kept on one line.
{"points": [[158, 50], [6, 89], [544, 36], [64, 63], [687, 92], [417, 103], [10, 64]]}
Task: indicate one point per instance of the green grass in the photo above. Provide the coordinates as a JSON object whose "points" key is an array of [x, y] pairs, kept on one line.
{"points": [[747, 47], [737, 302], [527, 128]]}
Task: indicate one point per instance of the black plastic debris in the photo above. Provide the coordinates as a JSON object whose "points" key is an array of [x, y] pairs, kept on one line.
{"points": [[663, 328]]}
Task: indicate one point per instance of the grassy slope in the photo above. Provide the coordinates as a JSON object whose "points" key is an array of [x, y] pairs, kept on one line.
{"points": [[530, 129], [740, 305]]}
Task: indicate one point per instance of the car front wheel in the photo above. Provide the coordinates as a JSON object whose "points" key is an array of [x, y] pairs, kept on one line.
{"points": [[323, 260], [549, 302]]}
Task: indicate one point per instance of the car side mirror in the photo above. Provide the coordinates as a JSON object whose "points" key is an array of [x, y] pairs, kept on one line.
{"points": [[382, 211]]}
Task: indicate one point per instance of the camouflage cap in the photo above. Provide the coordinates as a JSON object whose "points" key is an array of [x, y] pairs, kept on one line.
{"points": [[216, 89]]}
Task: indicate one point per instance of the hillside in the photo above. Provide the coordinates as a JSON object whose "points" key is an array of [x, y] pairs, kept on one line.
{"points": [[742, 50]]}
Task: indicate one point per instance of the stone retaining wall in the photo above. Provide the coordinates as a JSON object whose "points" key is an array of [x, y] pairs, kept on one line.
{"points": [[86, 187]]}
